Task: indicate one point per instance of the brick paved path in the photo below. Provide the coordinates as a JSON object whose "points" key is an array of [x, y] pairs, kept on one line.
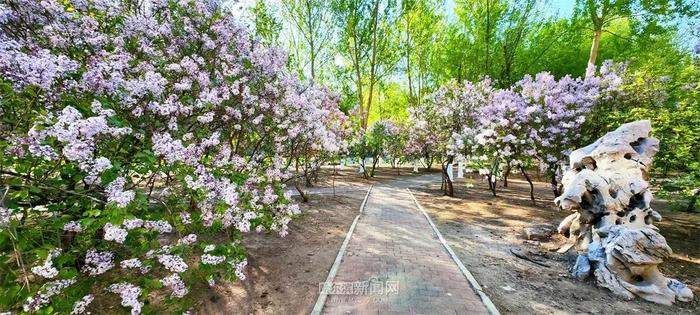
{"points": [[393, 243]]}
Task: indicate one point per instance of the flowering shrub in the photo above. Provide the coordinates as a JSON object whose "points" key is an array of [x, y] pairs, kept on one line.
{"points": [[443, 115], [140, 140], [538, 119], [395, 144], [317, 136], [372, 143]]}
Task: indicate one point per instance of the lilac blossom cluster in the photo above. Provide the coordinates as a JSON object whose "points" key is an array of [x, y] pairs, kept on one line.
{"points": [[43, 297], [175, 283], [129, 294], [47, 270], [150, 106], [80, 307], [5, 217], [537, 119]]}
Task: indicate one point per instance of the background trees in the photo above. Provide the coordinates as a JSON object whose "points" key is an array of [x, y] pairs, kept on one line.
{"points": [[423, 45]]}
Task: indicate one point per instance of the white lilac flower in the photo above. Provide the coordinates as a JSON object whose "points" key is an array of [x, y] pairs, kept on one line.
{"points": [[114, 233], [72, 226], [81, 305], [47, 270], [188, 240], [131, 224], [130, 263], [101, 164], [208, 259], [159, 226], [239, 269], [173, 263], [243, 225], [43, 298], [209, 248], [97, 263], [175, 283], [129, 294], [186, 218], [145, 269], [116, 193], [5, 217]]}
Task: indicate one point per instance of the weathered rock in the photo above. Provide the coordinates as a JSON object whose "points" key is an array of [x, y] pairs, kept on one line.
{"points": [[582, 267], [612, 227], [538, 233]]}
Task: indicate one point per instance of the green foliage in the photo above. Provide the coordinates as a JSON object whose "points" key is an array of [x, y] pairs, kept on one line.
{"points": [[267, 26]]}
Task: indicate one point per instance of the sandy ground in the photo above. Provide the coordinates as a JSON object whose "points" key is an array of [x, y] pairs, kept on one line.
{"points": [[347, 175], [284, 273], [483, 230]]}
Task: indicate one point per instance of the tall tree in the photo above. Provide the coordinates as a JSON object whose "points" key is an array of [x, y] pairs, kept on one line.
{"points": [[419, 24], [310, 20], [646, 15], [267, 27], [366, 32]]}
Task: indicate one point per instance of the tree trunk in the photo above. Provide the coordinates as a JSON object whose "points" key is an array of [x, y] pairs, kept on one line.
{"points": [[693, 200], [492, 174], [529, 181], [375, 160], [597, 34], [428, 161], [505, 176], [303, 195], [449, 188], [364, 169], [358, 77], [492, 184], [408, 61], [372, 65], [307, 175], [555, 185]]}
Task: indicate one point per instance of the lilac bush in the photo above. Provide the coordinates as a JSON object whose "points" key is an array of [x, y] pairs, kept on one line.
{"points": [[373, 143], [437, 122], [557, 109], [537, 120], [140, 141]]}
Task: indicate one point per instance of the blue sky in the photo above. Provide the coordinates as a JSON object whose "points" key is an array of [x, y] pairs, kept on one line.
{"points": [[562, 8]]}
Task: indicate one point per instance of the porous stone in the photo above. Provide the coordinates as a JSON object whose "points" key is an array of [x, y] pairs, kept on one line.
{"points": [[612, 224], [538, 233]]}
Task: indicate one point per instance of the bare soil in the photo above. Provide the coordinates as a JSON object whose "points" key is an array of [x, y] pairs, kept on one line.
{"points": [[348, 175], [483, 230], [283, 274]]}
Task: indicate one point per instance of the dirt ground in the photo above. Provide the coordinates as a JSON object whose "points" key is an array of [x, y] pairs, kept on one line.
{"points": [[283, 273], [483, 230], [348, 175]]}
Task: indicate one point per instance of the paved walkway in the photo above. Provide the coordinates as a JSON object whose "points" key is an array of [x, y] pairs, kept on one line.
{"points": [[395, 264]]}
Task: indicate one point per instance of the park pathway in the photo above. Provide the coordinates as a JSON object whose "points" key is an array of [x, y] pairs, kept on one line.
{"points": [[396, 264]]}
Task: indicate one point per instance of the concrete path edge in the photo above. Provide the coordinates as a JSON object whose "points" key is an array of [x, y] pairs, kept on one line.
{"points": [[490, 307], [323, 295]]}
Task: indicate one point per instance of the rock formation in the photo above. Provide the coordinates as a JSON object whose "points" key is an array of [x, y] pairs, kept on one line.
{"points": [[612, 226]]}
